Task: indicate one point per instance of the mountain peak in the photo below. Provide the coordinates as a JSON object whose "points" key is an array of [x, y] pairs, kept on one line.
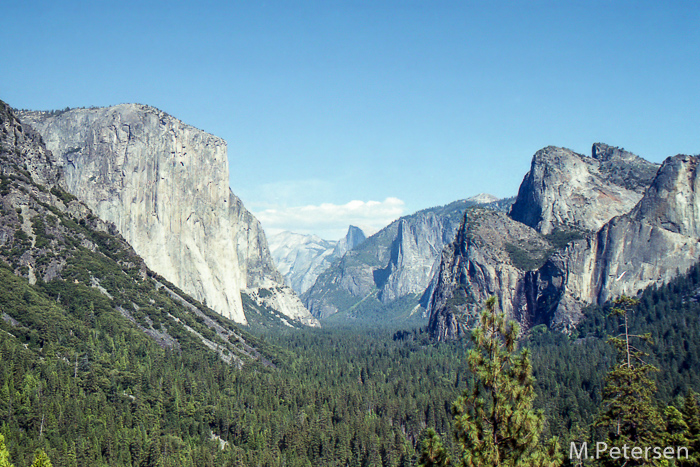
{"points": [[483, 198], [568, 190], [604, 152]]}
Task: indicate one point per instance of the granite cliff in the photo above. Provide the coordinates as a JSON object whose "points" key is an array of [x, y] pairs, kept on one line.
{"points": [[164, 185], [564, 189], [78, 272], [490, 255], [392, 269], [566, 196], [653, 243]]}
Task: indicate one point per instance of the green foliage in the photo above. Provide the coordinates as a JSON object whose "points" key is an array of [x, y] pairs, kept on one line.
{"points": [[4, 453], [571, 370], [21, 235], [687, 433], [371, 312], [42, 238], [64, 196], [5, 185], [108, 394], [527, 258], [560, 238], [494, 420], [433, 453], [629, 412], [524, 259], [41, 459]]}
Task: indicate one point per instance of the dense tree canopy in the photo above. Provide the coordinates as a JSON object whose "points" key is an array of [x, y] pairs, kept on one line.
{"points": [[88, 389]]}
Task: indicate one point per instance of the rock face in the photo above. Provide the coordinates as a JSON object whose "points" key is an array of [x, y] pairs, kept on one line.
{"points": [[302, 258], [397, 262], [653, 242], [25, 164], [164, 184], [53, 240], [568, 190], [257, 266], [491, 255], [353, 238]]}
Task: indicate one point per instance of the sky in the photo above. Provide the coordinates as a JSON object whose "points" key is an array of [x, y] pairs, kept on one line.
{"points": [[343, 112]]}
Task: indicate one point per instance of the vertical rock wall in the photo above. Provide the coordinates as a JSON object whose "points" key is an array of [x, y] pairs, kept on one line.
{"points": [[165, 185]]}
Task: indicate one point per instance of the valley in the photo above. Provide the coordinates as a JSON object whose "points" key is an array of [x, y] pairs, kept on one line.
{"points": [[148, 320]]}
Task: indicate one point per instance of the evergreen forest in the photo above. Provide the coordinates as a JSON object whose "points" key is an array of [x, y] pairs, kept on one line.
{"points": [[89, 388]]}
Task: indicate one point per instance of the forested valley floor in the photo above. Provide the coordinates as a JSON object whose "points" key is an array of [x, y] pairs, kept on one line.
{"points": [[334, 397]]}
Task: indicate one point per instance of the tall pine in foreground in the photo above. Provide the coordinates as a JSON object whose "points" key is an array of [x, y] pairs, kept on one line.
{"points": [[629, 413], [494, 420]]}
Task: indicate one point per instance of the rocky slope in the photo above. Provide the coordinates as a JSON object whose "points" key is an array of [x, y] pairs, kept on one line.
{"points": [[391, 270], [490, 255], [81, 265], [654, 241], [564, 189], [302, 258], [164, 184]]}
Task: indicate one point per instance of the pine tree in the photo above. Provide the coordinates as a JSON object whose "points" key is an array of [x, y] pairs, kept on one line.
{"points": [[691, 417], [41, 459], [4, 453], [494, 420], [433, 453], [629, 412]]}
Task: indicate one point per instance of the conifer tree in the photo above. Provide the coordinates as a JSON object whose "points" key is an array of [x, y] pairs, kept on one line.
{"points": [[4, 453], [691, 417], [629, 412], [494, 420], [433, 453], [41, 460]]}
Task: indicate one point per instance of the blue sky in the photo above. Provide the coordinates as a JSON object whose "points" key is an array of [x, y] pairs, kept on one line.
{"points": [[340, 112]]}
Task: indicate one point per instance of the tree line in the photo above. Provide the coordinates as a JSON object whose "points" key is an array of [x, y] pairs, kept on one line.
{"points": [[88, 389]]}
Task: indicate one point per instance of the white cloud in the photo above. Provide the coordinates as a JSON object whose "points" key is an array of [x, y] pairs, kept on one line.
{"points": [[286, 193], [331, 221]]}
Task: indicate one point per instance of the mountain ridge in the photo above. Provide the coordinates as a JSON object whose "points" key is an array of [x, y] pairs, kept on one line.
{"points": [[302, 258], [393, 265], [653, 241], [133, 165]]}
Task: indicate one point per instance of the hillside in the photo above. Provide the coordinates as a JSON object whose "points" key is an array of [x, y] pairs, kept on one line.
{"points": [[385, 278], [165, 187]]}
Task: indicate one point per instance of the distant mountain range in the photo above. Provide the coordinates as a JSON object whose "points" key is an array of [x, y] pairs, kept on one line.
{"points": [[301, 258], [582, 229], [392, 269]]}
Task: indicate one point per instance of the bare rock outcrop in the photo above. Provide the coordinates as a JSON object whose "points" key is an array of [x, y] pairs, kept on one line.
{"points": [[165, 185], [655, 241], [564, 189], [491, 255]]}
